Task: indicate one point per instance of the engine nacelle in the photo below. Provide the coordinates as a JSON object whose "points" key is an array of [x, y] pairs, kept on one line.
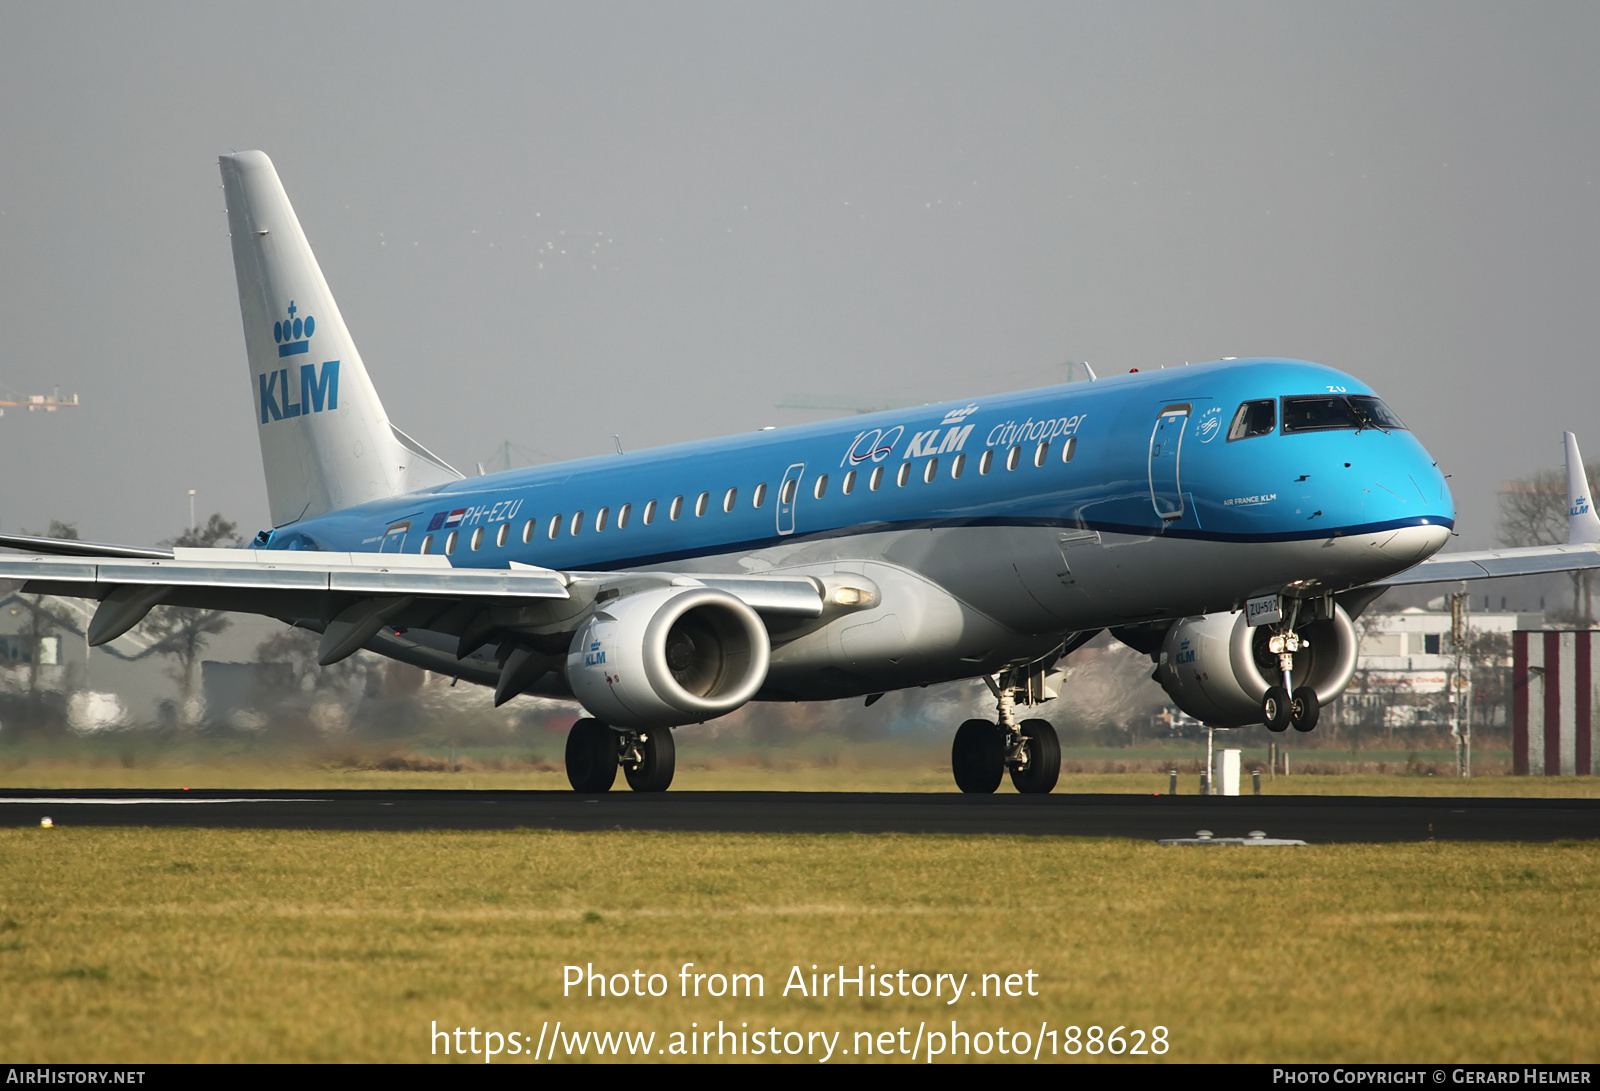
{"points": [[1217, 668], [674, 655]]}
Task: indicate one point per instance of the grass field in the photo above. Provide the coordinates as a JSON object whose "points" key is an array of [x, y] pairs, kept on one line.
{"points": [[210, 945]]}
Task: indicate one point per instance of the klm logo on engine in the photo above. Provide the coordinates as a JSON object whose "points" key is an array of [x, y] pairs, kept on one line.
{"points": [[318, 390], [594, 656], [1185, 653]]}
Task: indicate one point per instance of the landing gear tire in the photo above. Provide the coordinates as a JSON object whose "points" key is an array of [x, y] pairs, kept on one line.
{"points": [[1044, 759], [1304, 709], [978, 757], [1275, 709], [591, 756], [658, 757]]}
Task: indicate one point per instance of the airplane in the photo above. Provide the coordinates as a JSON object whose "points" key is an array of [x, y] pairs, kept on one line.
{"points": [[1227, 519]]}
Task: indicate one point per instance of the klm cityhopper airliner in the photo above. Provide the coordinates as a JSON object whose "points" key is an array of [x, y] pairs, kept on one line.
{"points": [[1228, 519]]}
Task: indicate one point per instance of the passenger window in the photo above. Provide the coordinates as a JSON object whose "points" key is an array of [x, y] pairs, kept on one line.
{"points": [[1041, 452], [528, 529], [930, 471], [676, 509], [876, 479], [821, 488], [760, 497], [1013, 456], [577, 523], [649, 512], [501, 535], [729, 500], [622, 516], [700, 504], [849, 484], [427, 544], [985, 461], [601, 517], [450, 544], [956, 466], [555, 526], [1069, 448], [786, 496], [904, 475], [477, 539], [1252, 419]]}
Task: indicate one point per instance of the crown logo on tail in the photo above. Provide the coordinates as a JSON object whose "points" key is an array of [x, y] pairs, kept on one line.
{"points": [[293, 334]]}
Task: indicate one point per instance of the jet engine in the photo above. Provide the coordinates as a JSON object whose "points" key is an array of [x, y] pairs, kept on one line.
{"points": [[669, 656], [1217, 668]]}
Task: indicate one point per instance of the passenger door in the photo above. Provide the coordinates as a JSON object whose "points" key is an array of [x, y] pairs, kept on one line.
{"points": [[1166, 450]]}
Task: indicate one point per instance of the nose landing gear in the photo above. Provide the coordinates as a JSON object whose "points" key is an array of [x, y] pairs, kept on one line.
{"points": [[1289, 704]]}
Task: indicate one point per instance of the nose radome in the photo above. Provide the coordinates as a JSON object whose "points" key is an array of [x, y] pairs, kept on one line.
{"points": [[1412, 544]]}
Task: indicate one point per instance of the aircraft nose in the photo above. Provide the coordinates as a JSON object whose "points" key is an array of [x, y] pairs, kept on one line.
{"points": [[1412, 544]]}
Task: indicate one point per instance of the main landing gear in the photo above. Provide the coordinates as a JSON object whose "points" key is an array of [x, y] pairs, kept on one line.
{"points": [[983, 751], [595, 750], [1289, 704]]}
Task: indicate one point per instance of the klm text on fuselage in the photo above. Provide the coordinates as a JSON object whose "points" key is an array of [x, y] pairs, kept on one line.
{"points": [[317, 391]]}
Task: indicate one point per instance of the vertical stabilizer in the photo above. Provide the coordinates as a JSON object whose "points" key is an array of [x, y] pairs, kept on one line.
{"points": [[1583, 526], [326, 442]]}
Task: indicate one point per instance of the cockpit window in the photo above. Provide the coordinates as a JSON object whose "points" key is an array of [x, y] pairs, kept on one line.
{"points": [[1327, 412], [1254, 419]]}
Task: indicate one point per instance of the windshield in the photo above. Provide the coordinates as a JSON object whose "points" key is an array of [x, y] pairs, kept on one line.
{"points": [[1326, 412]]}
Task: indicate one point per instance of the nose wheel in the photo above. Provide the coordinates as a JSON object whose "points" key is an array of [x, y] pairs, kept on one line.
{"points": [[1280, 709]]}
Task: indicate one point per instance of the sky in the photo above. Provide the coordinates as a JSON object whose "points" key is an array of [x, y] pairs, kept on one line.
{"points": [[548, 224]]}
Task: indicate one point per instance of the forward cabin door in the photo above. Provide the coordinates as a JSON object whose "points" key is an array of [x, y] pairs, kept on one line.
{"points": [[1166, 452]]}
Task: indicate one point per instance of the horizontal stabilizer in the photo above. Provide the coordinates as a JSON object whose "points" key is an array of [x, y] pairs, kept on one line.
{"points": [[71, 547]]}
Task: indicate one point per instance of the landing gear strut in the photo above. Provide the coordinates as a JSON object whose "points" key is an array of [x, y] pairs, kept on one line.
{"points": [[594, 751], [983, 751]]}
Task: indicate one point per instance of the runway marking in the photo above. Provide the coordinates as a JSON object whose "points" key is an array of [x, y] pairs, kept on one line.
{"points": [[52, 800]]}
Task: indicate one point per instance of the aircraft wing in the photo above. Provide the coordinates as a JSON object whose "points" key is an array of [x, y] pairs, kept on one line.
{"points": [[365, 599], [1496, 563]]}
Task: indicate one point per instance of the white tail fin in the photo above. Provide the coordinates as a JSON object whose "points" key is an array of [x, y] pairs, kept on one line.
{"points": [[1583, 526], [326, 442]]}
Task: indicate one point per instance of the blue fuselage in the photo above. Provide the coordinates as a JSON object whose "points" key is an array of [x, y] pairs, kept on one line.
{"points": [[1146, 455]]}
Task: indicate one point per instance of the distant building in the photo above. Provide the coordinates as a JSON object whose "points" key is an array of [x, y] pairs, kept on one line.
{"points": [[1406, 668], [124, 682]]}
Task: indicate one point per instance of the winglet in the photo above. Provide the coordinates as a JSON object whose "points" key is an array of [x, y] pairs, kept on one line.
{"points": [[1583, 526]]}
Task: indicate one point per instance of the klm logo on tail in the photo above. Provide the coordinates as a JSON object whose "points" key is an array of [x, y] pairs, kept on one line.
{"points": [[317, 391], [319, 387], [289, 331]]}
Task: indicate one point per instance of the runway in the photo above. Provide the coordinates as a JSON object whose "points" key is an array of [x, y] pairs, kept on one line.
{"points": [[1314, 819]]}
